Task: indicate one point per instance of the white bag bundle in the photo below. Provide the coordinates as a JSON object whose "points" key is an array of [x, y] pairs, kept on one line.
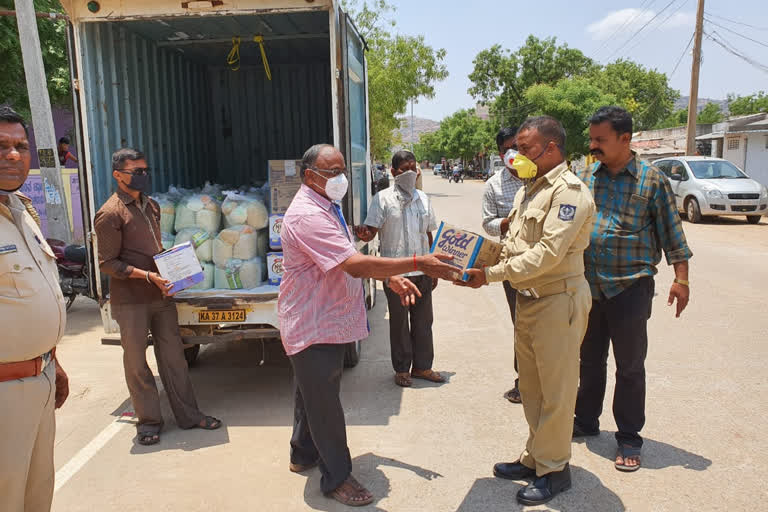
{"points": [[248, 209], [201, 240], [239, 242], [239, 274], [167, 212], [168, 240], [207, 282], [198, 210]]}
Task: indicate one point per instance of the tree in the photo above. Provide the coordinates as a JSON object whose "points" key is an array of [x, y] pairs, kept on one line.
{"points": [[500, 77], [13, 89], [400, 69], [676, 118], [645, 93], [745, 105], [710, 114], [572, 102]]}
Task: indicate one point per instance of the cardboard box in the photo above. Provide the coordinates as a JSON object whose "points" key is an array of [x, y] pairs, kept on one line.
{"points": [[469, 250], [284, 171], [281, 197], [275, 226], [275, 268]]}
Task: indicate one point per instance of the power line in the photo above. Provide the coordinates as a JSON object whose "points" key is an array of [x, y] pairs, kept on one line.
{"points": [[764, 29], [679, 60], [641, 29], [629, 20], [659, 25], [721, 42], [736, 33]]}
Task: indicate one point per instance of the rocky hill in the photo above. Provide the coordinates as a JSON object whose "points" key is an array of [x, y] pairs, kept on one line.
{"points": [[682, 103], [420, 125]]}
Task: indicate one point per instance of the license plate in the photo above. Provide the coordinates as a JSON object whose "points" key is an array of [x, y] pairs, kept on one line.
{"points": [[221, 316], [743, 202]]}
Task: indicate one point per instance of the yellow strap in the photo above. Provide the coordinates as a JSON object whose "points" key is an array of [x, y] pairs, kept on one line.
{"points": [[233, 59], [260, 40]]}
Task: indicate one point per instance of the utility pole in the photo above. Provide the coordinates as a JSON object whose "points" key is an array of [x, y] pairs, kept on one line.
{"points": [[693, 101], [42, 121]]}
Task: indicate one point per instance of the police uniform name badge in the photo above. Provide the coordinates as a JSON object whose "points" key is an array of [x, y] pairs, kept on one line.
{"points": [[180, 266], [469, 250]]}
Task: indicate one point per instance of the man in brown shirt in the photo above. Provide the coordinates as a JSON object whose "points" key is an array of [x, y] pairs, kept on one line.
{"points": [[128, 235], [33, 316]]}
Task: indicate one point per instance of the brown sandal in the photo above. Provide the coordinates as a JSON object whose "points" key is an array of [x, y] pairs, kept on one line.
{"points": [[429, 375], [403, 380], [351, 493]]}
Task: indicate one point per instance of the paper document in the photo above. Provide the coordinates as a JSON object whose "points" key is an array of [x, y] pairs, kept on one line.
{"points": [[180, 266]]}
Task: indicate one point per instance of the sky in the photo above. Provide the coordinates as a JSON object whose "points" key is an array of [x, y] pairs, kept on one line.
{"points": [[604, 31]]}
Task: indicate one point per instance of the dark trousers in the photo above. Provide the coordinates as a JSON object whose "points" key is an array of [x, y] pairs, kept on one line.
{"points": [[410, 329], [621, 320], [161, 318], [512, 301], [319, 430]]}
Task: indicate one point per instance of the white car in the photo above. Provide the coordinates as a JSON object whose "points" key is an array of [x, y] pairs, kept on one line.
{"points": [[712, 186]]}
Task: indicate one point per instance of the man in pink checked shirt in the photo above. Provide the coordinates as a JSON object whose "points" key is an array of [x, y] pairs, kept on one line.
{"points": [[321, 310]]}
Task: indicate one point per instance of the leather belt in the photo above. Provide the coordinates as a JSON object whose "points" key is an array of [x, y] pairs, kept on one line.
{"points": [[25, 369], [554, 288]]}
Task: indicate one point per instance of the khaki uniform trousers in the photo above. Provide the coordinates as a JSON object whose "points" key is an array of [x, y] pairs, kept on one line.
{"points": [[27, 432], [548, 335]]}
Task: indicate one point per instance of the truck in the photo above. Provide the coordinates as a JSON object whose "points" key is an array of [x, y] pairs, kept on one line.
{"points": [[212, 91]]}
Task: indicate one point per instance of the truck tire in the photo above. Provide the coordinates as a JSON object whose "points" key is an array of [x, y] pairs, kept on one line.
{"points": [[352, 354], [754, 219], [190, 354]]}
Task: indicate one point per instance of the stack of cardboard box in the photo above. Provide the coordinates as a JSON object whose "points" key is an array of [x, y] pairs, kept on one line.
{"points": [[284, 181]]}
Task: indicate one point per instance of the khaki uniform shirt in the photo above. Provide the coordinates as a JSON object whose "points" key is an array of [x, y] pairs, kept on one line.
{"points": [[549, 228], [32, 310]]}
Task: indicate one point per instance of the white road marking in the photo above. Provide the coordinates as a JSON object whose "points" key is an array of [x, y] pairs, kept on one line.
{"points": [[86, 453]]}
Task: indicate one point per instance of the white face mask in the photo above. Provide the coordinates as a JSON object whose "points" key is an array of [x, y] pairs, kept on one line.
{"points": [[406, 181], [336, 187]]}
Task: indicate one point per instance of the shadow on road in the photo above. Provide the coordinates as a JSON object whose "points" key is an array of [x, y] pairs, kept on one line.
{"points": [[656, 455], [497, 495], [366, 468]]}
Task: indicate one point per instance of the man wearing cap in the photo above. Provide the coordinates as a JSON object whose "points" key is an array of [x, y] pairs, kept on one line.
{"points": [[32, 311]]}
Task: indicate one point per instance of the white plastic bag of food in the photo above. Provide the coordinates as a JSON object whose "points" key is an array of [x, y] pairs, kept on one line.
{"points": [[167, 212], [239, 274], [239, 242], [248, 209], [208, 279], [168, 240], [198, 211], [201, 240]]}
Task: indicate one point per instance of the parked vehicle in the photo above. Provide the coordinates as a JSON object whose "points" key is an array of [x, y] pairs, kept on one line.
{"points": [[437, 169], [713, 186], [380, 178], [73, 272], [139, 83], [496, 165]]}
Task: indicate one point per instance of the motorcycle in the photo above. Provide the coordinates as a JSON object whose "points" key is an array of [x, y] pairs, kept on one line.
{"points": [[456, 176], [73, 272]]}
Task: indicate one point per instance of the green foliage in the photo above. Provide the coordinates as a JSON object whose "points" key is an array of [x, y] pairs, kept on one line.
{"points": [[53, 43], [500, 77], [645, 93], [710, 114], [745, 105], [676, 118], [461, 135], [571, 101], [400, 69]]}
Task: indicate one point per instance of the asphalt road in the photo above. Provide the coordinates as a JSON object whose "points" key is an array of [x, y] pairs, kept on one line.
{"points": [[430, 447]]}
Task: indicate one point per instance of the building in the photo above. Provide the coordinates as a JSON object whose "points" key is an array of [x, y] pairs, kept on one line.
{"points": [[743, 141]]}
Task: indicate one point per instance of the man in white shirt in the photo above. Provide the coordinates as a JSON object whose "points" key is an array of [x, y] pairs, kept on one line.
{"points": [[403, 217], [499, 196]]}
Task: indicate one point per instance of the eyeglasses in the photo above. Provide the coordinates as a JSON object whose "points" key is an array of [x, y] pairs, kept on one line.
{"points": [[333, 172], [137, 171]]}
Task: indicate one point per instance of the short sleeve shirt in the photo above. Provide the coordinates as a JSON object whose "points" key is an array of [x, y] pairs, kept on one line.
{"points": [[318, 301]]}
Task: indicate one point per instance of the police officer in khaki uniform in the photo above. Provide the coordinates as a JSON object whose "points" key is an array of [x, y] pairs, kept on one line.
{"points": [[543, 258], [33, 316]]}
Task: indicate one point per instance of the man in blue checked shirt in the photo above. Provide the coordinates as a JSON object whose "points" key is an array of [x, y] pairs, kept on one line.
{"points": [[636, 219]]}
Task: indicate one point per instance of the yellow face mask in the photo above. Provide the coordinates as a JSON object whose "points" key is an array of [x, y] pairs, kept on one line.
{"points": [[525, 167]]}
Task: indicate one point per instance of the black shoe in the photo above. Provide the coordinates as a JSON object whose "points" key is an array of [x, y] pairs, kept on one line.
{"points": [[546, 487], [513, 471], [579, 431]]}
